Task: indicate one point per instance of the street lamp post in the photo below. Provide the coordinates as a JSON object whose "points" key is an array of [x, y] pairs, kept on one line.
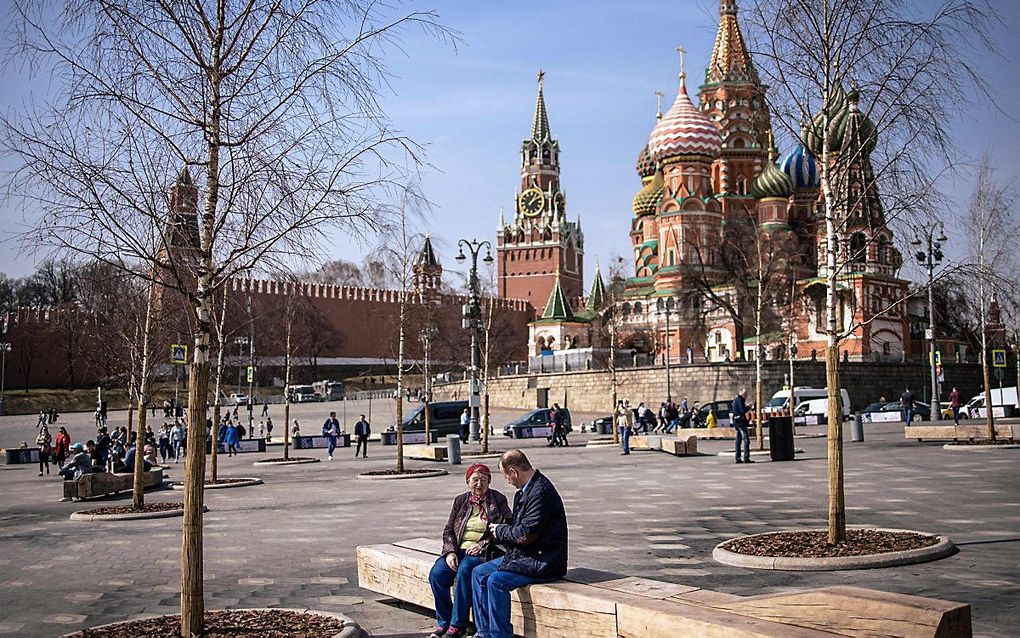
{"points": [[930, 255], [241, 343], [5, 347], [472, 321], [666, 306]]}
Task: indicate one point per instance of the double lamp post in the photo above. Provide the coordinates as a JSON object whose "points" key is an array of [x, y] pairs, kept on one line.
{"points": [[472, 321], [929, 255]]}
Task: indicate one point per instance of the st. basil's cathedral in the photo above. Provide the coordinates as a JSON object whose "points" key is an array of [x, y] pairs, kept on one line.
{"points": [[705, 168]]}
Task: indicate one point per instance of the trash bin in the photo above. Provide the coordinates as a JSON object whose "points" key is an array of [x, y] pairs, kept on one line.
{"points": [[453, 449], [857, 428], [781, 438]]}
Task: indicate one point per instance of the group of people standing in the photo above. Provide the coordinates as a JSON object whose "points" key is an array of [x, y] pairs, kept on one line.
{"points": [[332, 429]]}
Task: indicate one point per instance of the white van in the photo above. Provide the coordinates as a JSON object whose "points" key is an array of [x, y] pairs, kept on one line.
{"points": [[780, 400], [1004, 403], [820, 407]]}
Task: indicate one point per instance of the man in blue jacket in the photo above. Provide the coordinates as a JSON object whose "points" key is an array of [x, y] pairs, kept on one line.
{"points": [[536, 543], [738, 415]]}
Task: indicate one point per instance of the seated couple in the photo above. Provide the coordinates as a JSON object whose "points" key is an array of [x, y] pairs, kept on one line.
{"points": [[534, 535]]}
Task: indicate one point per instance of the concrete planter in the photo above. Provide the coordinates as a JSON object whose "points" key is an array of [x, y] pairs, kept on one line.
{"points": [[85, 516], [245, 482]]}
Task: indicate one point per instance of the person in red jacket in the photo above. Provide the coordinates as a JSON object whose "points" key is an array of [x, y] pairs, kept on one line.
{"points": [[62, 447]]}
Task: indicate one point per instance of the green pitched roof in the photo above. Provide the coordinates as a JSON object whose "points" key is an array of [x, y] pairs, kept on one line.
{"points": [[557, 307], [597, 294], [427, 256]]}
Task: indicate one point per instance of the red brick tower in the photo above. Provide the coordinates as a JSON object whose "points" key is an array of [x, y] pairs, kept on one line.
{"points": [[539, 244], [733, 97]]}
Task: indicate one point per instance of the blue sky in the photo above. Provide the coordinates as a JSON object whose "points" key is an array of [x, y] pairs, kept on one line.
{"points": [[472, 105]]}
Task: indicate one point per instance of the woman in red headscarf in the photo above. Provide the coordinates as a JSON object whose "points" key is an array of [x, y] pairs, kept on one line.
{"points": [[466, 544]]}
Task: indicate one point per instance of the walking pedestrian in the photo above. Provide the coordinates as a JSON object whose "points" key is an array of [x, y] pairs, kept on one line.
{"points": [[295, 430], [362, 430], [62, 449], [42, 419], [330, 431], [465, 423], [45, 442], [177, 440], [231, 438], [269, 429], [164, 442], [624, 423], [955, 404], [265, 409], [738, 415], [907, 406]]}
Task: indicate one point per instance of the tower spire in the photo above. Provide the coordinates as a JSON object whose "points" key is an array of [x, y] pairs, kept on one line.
{"points": [[540, 123], [730, 59]]}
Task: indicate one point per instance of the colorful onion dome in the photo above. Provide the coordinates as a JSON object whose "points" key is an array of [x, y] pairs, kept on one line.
{"points": [[844, 116], [800, 166], [684, 130], [771, 182], [648, 198], [645, 164]]}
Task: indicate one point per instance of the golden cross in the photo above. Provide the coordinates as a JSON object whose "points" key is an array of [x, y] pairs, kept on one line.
{"points": [[681, 51], [658, 104], [541, 76]]}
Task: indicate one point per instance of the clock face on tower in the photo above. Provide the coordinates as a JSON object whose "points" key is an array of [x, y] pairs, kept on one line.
{"points": [[531, 202]]}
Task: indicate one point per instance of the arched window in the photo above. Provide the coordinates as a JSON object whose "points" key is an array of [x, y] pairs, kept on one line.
{"points": [[637, 307], [858, 247], [741, 184]]}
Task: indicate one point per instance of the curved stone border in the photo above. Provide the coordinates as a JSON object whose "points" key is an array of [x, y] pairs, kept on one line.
{"points": [[601, 443], [475, 457], [245, 482], [401, 477], [943, 548], [351, 629], [296, 461], [757, 452], [980, 448], [83, 515]]}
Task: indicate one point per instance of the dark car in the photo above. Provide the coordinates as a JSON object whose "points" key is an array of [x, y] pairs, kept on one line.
{"points": [[893, 411], [534, 424], [602, 425], [444, 419], [721, 409]]}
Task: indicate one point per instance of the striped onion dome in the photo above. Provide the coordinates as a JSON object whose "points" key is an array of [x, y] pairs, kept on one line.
{"points": [[684, 130], [645, 164], [800, 166], [844, 116], [771, 182], [647, 199]]}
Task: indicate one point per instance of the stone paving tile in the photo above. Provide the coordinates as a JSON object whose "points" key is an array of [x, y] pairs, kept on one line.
{"points": [[265, 545]]}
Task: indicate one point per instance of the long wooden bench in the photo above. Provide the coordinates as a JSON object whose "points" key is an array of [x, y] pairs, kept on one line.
{"points": [[600, 604], [103, 483], [675, 445], [969, 431]]}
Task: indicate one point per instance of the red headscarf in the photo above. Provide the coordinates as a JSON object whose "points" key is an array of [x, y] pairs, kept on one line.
{"points": [[474, 500]]}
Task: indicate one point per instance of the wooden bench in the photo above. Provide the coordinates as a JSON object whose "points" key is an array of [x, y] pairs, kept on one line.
{"points": [[425, 452], [970, 431], [677, 446], [600, 604], [103, 483]]}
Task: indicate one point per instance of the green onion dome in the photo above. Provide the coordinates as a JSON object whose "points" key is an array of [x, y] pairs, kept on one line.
{"points": [[645, 164], [648, 198], [845, 118], [771, 182]]}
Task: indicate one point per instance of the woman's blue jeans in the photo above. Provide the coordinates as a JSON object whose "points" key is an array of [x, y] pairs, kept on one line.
{"points": [[441, 579]]}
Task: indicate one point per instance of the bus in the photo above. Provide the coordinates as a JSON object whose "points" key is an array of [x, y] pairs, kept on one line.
{"points": [[301, 394], [329, 390]]}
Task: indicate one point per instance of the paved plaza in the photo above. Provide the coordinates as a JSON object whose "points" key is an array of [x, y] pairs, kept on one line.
{"points": [[291, 542]]}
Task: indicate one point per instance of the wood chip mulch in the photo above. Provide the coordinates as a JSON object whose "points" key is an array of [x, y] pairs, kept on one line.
{"points": [[986, 442], [148, 508], [395, 472], [468, 455], [815, 544], [263, 623], [220, 481], [281, 459]]}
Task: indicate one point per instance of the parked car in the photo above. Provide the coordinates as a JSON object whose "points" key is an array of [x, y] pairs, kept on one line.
{"points": [[534, 424], [780, 401], [444, 418], [721, 409], [239, 399], [893, 411], [820, 406], [602, 424]]}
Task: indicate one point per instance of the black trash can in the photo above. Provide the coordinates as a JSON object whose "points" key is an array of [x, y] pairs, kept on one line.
{"points": [[781, 438]]}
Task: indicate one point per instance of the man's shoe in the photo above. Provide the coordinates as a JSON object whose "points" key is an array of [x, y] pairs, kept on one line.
{"points": [[454, 632], [739, 461], [748, 461], [438, 632], [329, 457]]}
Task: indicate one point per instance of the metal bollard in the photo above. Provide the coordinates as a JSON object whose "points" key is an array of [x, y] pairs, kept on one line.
{"points": [[453, 449], [857, 428]]}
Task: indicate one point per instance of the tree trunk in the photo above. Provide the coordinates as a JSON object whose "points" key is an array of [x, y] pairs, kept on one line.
{"points": [[400, 385], [286, 396], [217, 393], [192, 591], [837, 509], [485, 422], [138, 485], [758, 350]]}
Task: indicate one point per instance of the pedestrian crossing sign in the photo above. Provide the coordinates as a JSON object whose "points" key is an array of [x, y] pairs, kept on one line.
{"points": [[178, 353], [998, 358]]}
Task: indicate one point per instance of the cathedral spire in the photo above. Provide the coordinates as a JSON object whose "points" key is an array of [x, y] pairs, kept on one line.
{"points": [[730, 59], [540, 124], [558, 307]]}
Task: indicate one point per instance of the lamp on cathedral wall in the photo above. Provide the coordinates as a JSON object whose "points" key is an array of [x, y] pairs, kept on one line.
{"points": [[472, 322], [929, 254]]}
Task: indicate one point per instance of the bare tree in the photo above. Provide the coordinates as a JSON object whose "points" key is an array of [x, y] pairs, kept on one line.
{"points": [[991, 217], [907, 67], [275, 104]]}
